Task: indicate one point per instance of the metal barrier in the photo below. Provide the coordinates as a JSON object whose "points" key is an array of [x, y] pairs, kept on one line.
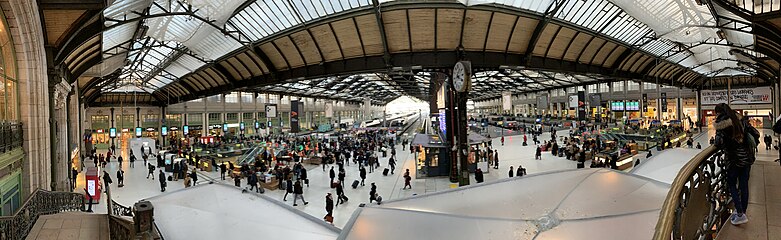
{"points": [[120, 226], [40, 202], [696, 206], [12, 136]]}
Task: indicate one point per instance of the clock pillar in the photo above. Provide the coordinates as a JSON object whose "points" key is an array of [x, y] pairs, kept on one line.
{"points": [[457, 94]]}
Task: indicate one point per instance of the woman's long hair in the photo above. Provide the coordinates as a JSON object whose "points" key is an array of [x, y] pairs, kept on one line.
{"points": [[737, 126]]}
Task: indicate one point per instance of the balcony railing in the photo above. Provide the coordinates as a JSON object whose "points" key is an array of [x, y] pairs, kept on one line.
{"points": [[121, 222], [696, 206], [40, 202], [11, 133]]}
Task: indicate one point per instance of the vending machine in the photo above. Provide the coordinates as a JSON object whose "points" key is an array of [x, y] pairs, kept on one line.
{"points": [[93, 184]]}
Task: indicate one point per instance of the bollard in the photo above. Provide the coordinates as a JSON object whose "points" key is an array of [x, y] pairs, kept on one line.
{"points": [[143, 217]]}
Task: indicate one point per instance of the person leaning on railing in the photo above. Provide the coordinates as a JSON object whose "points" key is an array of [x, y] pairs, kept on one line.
{"points": [[739, 140]]}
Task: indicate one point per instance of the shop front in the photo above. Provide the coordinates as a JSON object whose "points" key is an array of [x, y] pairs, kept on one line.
{"points": [[150, 132], [100, 138]]}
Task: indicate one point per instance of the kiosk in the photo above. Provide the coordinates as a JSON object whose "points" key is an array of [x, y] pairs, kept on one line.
{"points": [[93, 184]]}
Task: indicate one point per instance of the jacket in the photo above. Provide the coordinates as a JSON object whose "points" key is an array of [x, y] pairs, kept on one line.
{"points": [[297, 188], [737, 154]]}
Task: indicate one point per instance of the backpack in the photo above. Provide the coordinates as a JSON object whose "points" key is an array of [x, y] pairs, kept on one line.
{"points": [[752, 136]]}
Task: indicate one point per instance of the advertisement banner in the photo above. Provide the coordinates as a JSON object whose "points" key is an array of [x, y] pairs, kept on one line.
{"points": [[294, 124], [645, 102], [507, 101], [581, 105], [271, 110], [329, 110], [758, 95], [542, 101]]}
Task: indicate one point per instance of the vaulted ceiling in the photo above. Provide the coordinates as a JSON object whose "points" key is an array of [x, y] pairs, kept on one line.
{"points": [[170, 51]]}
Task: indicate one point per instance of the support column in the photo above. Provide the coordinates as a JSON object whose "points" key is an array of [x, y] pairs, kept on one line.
{"points": [[119, 131], [679, 106], [700, 116]]}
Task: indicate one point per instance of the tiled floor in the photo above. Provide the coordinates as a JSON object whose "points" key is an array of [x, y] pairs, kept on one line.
{"points": [[70, 226], [764, 210]]}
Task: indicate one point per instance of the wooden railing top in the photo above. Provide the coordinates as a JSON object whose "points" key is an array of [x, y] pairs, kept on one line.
{"points": [[666, 222]]}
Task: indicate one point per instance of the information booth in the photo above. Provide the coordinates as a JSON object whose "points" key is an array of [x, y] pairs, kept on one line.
{"points": [[433, 159]]}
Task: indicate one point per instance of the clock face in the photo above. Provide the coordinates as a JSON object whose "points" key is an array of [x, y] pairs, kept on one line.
{"points": [[459, 75]]}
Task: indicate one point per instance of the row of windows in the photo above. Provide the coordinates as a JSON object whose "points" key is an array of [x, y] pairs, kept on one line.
{"points": [[245, 97], [9, 106]]}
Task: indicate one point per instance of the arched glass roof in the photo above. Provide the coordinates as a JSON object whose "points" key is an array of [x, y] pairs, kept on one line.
{"points": [[162, 40]]}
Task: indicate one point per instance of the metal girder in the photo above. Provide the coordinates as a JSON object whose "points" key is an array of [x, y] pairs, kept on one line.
{"points": [[550, 12], [80, 36], [381, 26], [71, 4]]}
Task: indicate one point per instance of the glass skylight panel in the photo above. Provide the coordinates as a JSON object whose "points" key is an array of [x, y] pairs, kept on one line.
{"points": [[656, 47]]}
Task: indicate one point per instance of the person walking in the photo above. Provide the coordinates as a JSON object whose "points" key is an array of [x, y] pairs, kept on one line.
{"points": [[373, 193], [407, 180], [106, 181], [298, 192], [119, 159], [496, 159], [193, 176], [151, 171], [223, 169], [252, 180], [288, 188], [120, 178], [340, 198], [520, 171], [511, 171], [768, 141], [332, 175], [538, 154], [362, 172], [738, 139], [392, 164], [342, 175], [329, 208], [303, 176], [161, 178], [132, 159], [502, 140], [479, 175]]}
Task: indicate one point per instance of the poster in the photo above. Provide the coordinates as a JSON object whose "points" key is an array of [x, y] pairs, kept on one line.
{"points": [[294, 124], [271, 110], [758, 95], [573, 102], [329, 110]]}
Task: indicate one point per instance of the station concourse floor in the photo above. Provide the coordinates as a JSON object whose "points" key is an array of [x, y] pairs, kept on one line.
{"points": [[137, 187]]}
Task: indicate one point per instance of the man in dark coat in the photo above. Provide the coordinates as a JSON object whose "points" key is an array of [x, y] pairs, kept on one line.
{"points": [[303, 176], [373, 193], [511, 171], [120, 178], [161, 177], [362, 173], [106, 180], [288, 189], [223, 169], [298, 192], [339, 194], [329, 205], [332, 175]]}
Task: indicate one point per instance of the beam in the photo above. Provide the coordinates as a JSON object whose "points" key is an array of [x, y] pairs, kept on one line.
{"points": [[545, 19], [71, 4]]}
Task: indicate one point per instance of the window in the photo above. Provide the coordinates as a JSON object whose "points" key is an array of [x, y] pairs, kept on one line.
{"points": [[125, 121], [285, 100], [262, 98], [247, 97], [248, 117], [215, 118], [618, 86], [197, 100], [9, 106], [647, 86], [232, 117], [194, 119], [261, 115], [100, 122], [232, 97], [632, 86], [173, 119], [273, 99], [215, 98]]}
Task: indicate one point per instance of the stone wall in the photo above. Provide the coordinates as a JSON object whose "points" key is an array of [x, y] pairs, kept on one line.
{"points": [[24, 22]]}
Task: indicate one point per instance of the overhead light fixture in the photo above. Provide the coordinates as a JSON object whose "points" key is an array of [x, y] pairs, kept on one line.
{"points": [[721, 34]]}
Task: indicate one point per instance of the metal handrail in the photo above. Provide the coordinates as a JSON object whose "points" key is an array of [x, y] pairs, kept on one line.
{"points": [[40, 202], [696, 205]]}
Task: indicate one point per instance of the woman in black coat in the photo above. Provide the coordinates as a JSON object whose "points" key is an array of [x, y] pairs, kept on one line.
{"points": [[288, 189]]}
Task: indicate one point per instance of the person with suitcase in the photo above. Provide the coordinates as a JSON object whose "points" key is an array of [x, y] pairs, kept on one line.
{"points": [[392, 164], [355, 183], [340, 197], [373, 193], [288, 188]]}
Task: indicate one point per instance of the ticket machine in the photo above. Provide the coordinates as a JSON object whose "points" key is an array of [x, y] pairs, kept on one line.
{"points": [[93, 184]]}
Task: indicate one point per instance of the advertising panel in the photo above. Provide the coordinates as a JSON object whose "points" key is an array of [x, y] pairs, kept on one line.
{"points": [[758, 95]]}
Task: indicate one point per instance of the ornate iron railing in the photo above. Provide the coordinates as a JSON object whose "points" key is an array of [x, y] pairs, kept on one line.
{"points": [[119, 210], [12, 136], [120, 228], [696, 206], [40, 202]]}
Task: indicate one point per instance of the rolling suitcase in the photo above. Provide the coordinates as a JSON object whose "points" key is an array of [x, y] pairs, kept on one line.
{"points": [[334, 183], [355, 184], [385, 172]]}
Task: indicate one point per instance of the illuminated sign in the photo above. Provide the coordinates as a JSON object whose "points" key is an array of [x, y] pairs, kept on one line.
{"points": [[241, 126], [224, 127], [186, 129], [164, 131], [257, 124], [112, 132], [91, 187], [138, 131]]}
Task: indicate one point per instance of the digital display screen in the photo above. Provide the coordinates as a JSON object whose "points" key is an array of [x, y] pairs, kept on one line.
{"points": [[241, 126], [224, 127], [269, 124], [112, 132], [138, 131], [633, 106], [164, 131], [186, 129], [91, 187], [442, 118], [257, 125], [617, 106]]}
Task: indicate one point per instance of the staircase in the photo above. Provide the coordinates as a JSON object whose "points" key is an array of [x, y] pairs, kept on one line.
{"points": [[71, 225]]}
